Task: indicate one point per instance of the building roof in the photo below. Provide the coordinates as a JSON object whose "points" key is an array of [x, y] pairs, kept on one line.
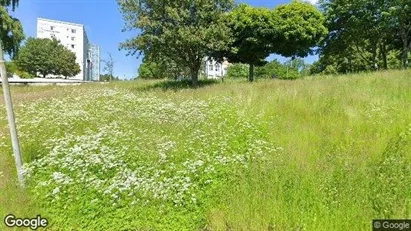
{"points": [[61, 22]]}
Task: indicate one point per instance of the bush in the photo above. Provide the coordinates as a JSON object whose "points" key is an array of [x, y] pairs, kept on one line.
{"points": [[12, 69], [290, 75], [23, 74], [275, 68], [237, 70]]}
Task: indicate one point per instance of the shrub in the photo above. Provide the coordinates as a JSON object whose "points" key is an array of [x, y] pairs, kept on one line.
{"points": [[237, 70], [12, 69]]}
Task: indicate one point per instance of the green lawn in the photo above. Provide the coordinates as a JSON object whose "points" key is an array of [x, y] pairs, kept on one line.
{"points": [[325, 153]]}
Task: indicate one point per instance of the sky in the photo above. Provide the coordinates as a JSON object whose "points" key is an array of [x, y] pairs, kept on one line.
{"points": [[103, 23]]}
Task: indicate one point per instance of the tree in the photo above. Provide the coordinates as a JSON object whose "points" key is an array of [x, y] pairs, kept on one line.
{"points": [[252, 29], [237, 70], [12, 69], [399, 17], [183, 31], [270, 70], [289, 30], [160, 68], [297, 64], [47, 56], [365, 35], [300, 26], [11, 34], [109, 65], [358, 24], [107, 77], [64, 61], [274, 69], [150, 71], [11, 30]]}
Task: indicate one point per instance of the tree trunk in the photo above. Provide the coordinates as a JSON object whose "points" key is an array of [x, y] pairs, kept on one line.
{"points": [[383, 50], [405, 57], [404, 49], [374, 57], [194, 76], [44, 75], [350, 63], [251, 73]]}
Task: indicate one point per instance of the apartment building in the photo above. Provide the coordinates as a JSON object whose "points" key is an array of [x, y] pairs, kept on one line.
{"points": [[94, 54], [74, 37], [214, 69]]}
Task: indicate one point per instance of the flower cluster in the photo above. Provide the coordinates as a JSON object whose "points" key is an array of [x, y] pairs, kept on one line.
{"points": [[136, 149]]}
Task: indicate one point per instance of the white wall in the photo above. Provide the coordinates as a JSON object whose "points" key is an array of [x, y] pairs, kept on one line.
{"points": [[70, 35], [214, 70]]}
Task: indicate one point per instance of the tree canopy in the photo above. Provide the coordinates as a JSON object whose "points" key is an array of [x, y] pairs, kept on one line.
{"points": [[290, 30], [252, 29], [300, 27], [11, 30], [347, 35], [183, 31], [47, 56], [365, 35]]}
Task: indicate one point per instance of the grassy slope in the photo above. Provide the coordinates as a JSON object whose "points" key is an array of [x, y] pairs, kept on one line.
{"points": [[341, 164]]}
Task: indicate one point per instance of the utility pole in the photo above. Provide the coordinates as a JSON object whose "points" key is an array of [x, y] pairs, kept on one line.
{"points": [[10, 117]]}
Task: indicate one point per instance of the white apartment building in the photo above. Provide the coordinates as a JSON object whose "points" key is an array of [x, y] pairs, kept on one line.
{"points": [[214, 69], [94, 56], [74, 37]]}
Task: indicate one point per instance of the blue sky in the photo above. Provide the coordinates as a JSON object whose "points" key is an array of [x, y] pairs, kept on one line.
{"points": [[103, 23]]}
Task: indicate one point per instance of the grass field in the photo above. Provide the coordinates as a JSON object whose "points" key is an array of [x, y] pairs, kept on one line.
{"points": [[325, 153]]}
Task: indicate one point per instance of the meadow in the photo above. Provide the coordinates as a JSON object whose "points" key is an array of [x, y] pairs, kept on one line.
{"points": [[320, 153]]}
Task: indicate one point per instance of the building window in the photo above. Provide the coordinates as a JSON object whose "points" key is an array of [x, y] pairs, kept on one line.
{"points": [[51, 27], [211, 67], [72, 46], [72, 38], [73, 31], [217, 67]]}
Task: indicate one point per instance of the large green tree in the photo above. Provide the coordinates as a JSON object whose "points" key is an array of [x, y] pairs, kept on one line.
{"points": [[290, 30], [365, 35], [358, 24], [253, 30], [399, 19], [47, 56], [11, 30], [181, 30], [300, 27]]}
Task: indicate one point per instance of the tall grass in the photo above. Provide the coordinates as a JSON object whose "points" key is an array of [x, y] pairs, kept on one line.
{"points": [[313, 154]]}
